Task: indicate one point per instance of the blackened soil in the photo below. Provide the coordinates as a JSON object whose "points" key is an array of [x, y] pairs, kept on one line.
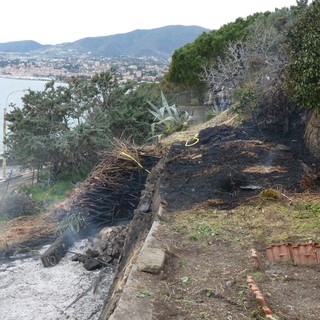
{"points": [[231, 164]]}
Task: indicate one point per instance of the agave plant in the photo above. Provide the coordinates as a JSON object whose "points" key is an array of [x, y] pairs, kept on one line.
{"points": [[168, 119], [213, 112]]}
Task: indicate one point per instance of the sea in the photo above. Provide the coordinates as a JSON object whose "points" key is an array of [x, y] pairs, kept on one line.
{"points": [[11, 92]]}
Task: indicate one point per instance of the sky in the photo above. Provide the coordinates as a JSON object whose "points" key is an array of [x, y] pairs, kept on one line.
{"points": [[59, 21]]}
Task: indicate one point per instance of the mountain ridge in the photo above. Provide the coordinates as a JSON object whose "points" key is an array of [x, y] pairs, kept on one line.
{"points": [[159, 42]]}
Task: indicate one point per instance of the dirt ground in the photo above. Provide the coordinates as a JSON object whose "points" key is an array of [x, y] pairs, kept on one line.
{"points": [[237, 189]]}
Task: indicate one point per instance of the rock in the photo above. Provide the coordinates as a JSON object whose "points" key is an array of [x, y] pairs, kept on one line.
{"points": [[91, 252], [92, 264], [105, 232], [151, 260], [79, 258], [108, 246], [230, 283]]}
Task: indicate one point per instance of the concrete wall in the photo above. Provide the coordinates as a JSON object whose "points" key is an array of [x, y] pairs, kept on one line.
{"points": [[119, 304], [198, 112]]}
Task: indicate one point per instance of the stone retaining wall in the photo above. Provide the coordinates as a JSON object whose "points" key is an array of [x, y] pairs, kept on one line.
{"points": [[144, 216]]}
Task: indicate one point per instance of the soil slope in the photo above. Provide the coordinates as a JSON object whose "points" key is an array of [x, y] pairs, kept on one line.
{"points": [[237, 189]]}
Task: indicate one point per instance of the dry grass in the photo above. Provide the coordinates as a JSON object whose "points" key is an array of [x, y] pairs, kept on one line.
{"points": [[26, 228], [260, 219], [225, 117]]}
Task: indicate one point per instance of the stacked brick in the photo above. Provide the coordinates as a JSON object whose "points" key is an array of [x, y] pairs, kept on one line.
{"points": [[300, 254], [260, 298]]}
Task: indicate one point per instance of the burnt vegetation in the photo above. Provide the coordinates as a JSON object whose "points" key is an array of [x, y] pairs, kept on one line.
{"points": [[112, 191]]}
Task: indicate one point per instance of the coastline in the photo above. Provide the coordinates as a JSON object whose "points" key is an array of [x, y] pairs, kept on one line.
{"points": [[12, 77]]}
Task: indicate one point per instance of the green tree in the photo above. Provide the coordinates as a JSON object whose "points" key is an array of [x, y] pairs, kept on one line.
{"points": [[63, 127], [66, 128], [303, 72], [187, 61], [105, 89], [302, 4], [129, 118], [36, 127], [255, 60]]}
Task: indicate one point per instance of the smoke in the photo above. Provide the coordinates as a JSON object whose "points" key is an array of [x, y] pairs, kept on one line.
{"points": [[66, 291], [270, 158]]}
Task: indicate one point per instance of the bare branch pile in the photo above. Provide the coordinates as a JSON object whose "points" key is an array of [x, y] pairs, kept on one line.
{"points": [[112, 191]]}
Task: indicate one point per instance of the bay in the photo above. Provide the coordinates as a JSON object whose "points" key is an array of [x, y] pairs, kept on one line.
{"points": [[11, 91]]}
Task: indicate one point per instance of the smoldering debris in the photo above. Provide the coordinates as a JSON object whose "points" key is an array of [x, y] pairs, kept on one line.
{"points": [[30, 291], [113, 190]]}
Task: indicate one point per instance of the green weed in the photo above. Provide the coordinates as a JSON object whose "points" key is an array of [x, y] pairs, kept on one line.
{"points": [[144, 294], [73, 222]]}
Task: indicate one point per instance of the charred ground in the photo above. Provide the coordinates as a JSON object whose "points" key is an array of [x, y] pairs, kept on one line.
{"points": [[214, 215], [231, 164]]}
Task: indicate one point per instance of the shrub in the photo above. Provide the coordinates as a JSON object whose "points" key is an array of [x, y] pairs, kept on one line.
{"points": [[168, 119], [73, 222], [270, 194], [18, 204], [303, 72], [212, 113]]}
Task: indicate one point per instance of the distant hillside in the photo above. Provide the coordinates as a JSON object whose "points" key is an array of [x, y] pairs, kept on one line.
{"points": [[21, 46], [159, 42]]}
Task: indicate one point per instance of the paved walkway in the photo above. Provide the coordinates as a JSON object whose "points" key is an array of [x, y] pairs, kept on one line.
{"points": [[15, 182]]}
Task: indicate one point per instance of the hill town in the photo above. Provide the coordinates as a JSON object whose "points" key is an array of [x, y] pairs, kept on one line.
{"points": [[25, 66], [140, 55]]}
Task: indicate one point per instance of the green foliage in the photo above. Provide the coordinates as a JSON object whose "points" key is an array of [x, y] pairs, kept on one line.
{"points": [[184, 280], [251, 69], [67, 128], [302, 4], [63, 128], [306, 210], [212, 113], [128, 119], [202, 231], [187, 61], [168, 119], [51, 193], [18, 204], [144, 294], [208, 292], [248, 102], [303, 72], [106, 89], [73, 222]]}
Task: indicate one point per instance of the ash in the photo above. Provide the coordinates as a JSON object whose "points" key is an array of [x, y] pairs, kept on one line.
{"points": [[28, 291]]}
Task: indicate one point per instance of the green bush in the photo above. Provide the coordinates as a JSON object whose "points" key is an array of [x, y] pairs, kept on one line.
{"points": [[212, 113], [56, 191], [303, 72], [73, 222]]}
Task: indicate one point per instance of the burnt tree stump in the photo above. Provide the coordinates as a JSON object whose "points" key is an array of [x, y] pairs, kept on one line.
{"points": [[57, 250]]}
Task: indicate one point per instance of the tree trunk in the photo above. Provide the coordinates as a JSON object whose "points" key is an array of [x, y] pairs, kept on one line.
{"points": [[312, 133]]}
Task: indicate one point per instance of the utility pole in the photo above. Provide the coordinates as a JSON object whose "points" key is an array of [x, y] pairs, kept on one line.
{"points": [[4, 160]]}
